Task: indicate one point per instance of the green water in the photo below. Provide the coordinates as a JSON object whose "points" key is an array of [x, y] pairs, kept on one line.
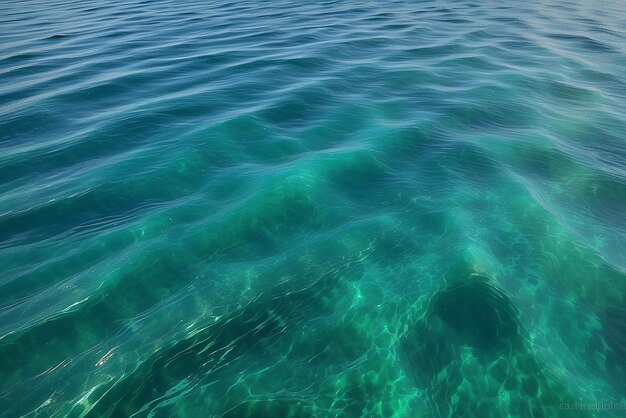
{"points": [[320, 209]]}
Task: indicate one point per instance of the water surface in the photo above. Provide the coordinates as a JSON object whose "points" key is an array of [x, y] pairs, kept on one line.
{"points": [[322, 208]]}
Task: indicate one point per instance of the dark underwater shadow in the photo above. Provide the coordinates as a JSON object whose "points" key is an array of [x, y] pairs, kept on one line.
{"points": [[470, 357], [203, 358], [613, 322]]}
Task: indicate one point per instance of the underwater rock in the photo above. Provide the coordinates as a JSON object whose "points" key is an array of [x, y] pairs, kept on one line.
{"points": [[482, 315], [471, 313], [469, 344]]}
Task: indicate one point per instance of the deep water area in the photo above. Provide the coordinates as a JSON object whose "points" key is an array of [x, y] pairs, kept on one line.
{"points": [[280, 208]]}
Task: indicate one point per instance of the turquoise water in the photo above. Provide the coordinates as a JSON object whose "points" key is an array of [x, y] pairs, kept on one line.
{"points": [[313, 209]]}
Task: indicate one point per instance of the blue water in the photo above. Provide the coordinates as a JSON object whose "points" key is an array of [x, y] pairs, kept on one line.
{"points": [[313, 209]]}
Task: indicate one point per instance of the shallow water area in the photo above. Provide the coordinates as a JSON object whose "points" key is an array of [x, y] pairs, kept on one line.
{"points": [[330, 208]]}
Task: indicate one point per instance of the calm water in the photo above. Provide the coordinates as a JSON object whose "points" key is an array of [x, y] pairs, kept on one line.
{"points": [[313, 209]]}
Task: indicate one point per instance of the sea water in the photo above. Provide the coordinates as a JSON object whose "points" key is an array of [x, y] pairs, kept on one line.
{"points": [[312, 209]]}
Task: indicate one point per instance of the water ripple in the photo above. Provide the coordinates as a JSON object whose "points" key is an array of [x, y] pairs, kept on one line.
{"points": [[277, 208]]}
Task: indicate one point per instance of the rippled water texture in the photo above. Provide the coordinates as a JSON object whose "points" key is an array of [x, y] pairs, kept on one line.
{"points": [[312, 209]]}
